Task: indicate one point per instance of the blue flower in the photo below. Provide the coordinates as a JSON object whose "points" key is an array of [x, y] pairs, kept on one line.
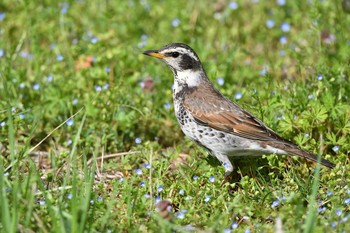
{"points": [[98, 88], [321, 209], [220, 81], [6, 174], [195, 177], [319, 77], [188, 198], [2, 16], [207, 198], [281, 2], [64, 7], [247, 230], [2, 52], [142, 184], [69, 196], [59, 57], [227, 230], [138, 171], [181, 192], [285, 27], [93, 40], [147, 196], [282, 53], [338, 212], [69, 142], [106, 86], [92, 201], [99, 198], [36, 86], [121, 179], [70, 122], [212, 179], [347, 201], [75, 101], [147, 166], [270, 23], [335, 149], [176, 22], [107, 69], [238, 95], [22, 85], [275, 203], [160, 188], [234, 225], [180, 215], [329, 193], [233, 5], [49, 78], [333, 224], [167, 105], [144, 37], [158, 199], [2, 124], [311, 96], [306, 135], [283, 40], [138, 140]]}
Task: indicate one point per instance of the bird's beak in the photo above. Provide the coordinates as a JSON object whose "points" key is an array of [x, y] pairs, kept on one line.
{"points": [[154, 53]]}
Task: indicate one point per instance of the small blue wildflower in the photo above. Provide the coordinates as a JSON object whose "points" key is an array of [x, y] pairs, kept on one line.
{"points": [[319, 77], [346, 218], [99, 198], [107, 69], [158, 199], [281, 2], [180, 215], [283, 40], [321, 209], [338, 212], [227, 230], [306, 135], [69, 142], [13, 109], [212, 179], [275, 203], [70, 122], [333, 224], [142, 184], [75, 101], [138, 171], [335, 149], [263, 72], [106, 86], [36, 86], [64, 7], [59, 57], [138, 140], [233, 5], [311, 96], [142, 44], [121, 179], [42, 202], [329, 193], [282, 53], [22, 85], [160, 188], [285, 27], [207, 198], [2, 52], [176, 22], [6, 174], [49, 78], [98, 88], [147, 166], [347, 201], [2, 16], [188, 198], [247, 230], [2, 124], [181, 192], [225, 165], [234, 225], [69, 196], [144, 37], [184, 211], [238, 95], [220, 81], [195, 177], [94, 40], [92, 201], [270, 23], [167, 105], [147, 196]]}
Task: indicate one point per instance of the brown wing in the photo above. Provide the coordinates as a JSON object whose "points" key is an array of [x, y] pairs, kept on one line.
{"points": [[222, 114]]}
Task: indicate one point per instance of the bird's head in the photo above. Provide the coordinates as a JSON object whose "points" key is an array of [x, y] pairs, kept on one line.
{"points": [[179, 57]]}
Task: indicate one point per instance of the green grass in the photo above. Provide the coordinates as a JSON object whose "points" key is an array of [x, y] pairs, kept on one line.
{"points": [[51, 176]]}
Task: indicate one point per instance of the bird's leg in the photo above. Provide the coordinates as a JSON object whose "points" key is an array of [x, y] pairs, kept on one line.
{"points": [[227, 165]]}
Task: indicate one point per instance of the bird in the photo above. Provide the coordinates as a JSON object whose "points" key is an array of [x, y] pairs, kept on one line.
{"points": [[215, 122]]}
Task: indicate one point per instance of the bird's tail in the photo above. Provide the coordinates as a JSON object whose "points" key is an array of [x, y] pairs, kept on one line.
{"points": [[309, 156]]}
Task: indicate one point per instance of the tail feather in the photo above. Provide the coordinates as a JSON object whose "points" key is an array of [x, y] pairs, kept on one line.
{"points": [[309, 156]]}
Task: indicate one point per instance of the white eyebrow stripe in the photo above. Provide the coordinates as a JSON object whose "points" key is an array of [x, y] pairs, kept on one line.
{"points": [[182, 50]]}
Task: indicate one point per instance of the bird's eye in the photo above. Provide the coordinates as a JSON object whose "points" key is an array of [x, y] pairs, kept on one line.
{"points": [[175, 54]]}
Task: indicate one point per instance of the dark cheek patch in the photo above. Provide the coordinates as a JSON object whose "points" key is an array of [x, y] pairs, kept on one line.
{"points": [[188, 63]]}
